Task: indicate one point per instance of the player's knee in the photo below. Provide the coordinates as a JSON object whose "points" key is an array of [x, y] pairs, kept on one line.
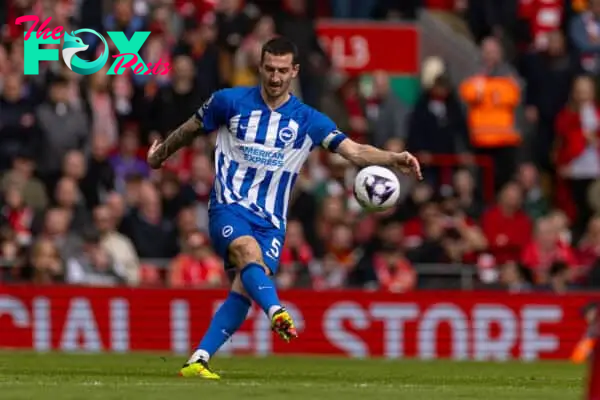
{"points": [[243, 251]]}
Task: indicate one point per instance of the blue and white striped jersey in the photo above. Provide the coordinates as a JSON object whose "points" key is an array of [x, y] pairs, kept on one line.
{"points": [[260, 151]]}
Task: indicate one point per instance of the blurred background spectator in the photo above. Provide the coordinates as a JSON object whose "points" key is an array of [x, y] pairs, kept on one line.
{"points": [[509, 147]]}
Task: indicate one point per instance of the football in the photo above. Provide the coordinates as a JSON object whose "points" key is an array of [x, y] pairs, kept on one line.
{"points": [[376, 188]]}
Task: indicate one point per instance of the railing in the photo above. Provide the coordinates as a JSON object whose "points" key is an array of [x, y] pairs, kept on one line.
{"points": [[430, 276]]}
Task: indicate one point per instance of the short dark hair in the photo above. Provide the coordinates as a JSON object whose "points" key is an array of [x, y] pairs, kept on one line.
{"points": [[280, 46]]}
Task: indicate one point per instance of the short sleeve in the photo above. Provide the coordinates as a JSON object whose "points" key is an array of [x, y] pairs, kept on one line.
{"points": [[213, 113], [324, 132]]}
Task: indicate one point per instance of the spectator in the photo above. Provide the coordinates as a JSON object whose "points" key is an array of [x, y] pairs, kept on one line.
{"points": [[17, 215], [45, 263], [197, 267], [328, 275], [339, 182], [299, 26], [562, 225], [387, 116], [491, 18], [132, 196], [506, 226], [175, 196], [303, 207], [22, 175], [127, 162], [392, 271], [94, 266], [99, 179], [492, 98], [68, 198], [17, 132], [466, 194], [119, 247], [340, 247], [353, 115], [176, 102], [116, 204], [247, 57], [584, 33], [514, 278], [152, 235], [585, 345], [577, 143], [198, 42], [414, 229], [331, 214], [101, 107], [123, 19], [542, 18], [201, 181], [544, 101], [431, 249], [545, 249], [296, 258], [559, 278], [74, 167], [589, 246], [62, 129], [186, 225], [234, 21], [124, 100], [56, 228], [437, 127], [535, 202]]}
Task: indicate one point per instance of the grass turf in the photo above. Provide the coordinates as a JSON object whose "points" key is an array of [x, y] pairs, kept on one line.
{"points": [[148, 377]]}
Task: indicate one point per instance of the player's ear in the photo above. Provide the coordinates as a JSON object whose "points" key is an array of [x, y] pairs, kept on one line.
{"points": [[295, 70]]}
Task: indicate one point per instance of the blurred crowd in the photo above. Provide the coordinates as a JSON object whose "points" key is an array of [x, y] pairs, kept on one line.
{"points": [[511, 155]]}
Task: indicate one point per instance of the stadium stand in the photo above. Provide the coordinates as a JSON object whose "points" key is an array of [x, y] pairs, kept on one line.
{"points": [[501, 148]]}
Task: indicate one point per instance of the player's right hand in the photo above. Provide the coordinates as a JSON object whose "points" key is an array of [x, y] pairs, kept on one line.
{"points": [[153, 158]]}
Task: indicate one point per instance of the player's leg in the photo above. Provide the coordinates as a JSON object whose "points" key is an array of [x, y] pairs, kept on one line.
{"points": [[232, 313], [257, 259]]}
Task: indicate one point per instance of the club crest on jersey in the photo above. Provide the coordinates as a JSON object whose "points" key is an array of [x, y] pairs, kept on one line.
{"points": [[227, 231], [287, 135]]}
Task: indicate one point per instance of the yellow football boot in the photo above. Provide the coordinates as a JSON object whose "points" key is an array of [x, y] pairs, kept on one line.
{"points": [[283, 324], [198, 369]]}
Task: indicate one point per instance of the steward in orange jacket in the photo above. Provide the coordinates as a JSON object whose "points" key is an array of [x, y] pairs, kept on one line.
{"points": [[492, 102]]}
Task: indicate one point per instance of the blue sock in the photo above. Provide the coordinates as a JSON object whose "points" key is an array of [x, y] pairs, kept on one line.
{"points": [[228, 319], [259, 286]]}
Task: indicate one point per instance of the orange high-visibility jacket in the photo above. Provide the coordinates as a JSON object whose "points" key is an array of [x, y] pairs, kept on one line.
{"points": [[492, 103]]}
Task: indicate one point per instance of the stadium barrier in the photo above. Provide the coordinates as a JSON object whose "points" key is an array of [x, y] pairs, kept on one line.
{"points": [[427, 325]]}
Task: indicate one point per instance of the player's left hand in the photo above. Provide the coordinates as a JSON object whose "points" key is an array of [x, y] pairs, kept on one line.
{"points": [[407, 164]]}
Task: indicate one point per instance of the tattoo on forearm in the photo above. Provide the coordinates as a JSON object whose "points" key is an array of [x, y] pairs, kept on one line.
{"points": [[182, 136]]}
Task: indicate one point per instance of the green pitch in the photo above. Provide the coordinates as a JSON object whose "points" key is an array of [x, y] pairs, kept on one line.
{"points": [[148, 377]]}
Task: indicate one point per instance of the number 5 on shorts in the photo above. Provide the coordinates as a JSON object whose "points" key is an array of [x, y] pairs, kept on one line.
{"points": [[274, 251]]}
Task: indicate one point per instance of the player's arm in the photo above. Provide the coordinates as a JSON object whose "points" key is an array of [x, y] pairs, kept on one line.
{"points": [[324, 132], [364, 155], [183, 136], [208, 118]]}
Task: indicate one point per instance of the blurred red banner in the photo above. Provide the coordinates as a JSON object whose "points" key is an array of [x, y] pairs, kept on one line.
{"points": [[366, 47], [458, 325]]}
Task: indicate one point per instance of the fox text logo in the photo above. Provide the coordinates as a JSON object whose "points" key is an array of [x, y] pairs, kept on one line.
{"points": [[127, 56]]}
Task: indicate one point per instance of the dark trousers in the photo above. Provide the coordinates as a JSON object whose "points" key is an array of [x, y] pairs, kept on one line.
{"points": [[504, 160], [579, 192]]}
